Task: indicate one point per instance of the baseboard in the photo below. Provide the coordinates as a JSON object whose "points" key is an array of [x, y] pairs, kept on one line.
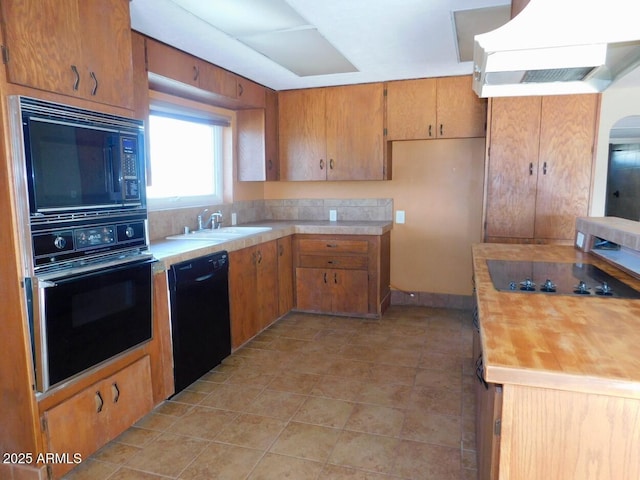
{"points": [[427, 299]]}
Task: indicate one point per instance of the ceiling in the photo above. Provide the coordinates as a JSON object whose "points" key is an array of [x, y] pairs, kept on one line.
{"points": [[382, 39]]}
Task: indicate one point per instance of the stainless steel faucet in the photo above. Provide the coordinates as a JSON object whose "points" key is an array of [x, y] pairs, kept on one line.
{"points": [[215, 220], [201, 225]]}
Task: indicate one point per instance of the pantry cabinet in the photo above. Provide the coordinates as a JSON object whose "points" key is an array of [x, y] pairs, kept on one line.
{"points": [[539, 157], [334, 133], [76, 48], [253, 290], [342, 274], [103, 410], [432, 108]]}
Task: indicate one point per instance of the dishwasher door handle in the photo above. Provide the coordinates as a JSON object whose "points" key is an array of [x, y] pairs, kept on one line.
{"points": [[203, 277]]}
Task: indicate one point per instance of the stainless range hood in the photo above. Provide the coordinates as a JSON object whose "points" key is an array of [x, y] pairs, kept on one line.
{"points": [[558, 47]]}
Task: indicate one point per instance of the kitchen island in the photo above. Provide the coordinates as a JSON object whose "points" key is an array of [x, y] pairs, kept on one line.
{"points": [[569, 368]]}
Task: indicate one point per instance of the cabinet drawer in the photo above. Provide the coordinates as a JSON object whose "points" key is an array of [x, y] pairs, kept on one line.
{"points": [[331, 246], [341, 262]]}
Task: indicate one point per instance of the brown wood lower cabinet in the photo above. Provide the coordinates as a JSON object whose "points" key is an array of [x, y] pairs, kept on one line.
{"points": [[342, 274], [253, 290], [488, 424], [96, 415]]}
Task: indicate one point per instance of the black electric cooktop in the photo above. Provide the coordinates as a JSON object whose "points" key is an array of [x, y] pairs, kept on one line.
{"points": [[552, 278]]}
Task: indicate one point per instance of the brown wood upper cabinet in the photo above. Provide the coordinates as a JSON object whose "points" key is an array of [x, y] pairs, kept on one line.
{"points": [[333, 133], [73, 47], [432, 108], [540, 162]]}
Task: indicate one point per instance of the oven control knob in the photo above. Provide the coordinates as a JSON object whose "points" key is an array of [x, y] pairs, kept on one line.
{"points": [[129, 232], [59, 242]]}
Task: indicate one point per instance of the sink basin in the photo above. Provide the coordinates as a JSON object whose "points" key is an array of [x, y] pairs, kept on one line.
{"points": [[223, 234]]}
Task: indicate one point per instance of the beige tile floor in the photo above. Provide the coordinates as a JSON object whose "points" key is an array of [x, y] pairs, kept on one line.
{"points": [[317, 397]]}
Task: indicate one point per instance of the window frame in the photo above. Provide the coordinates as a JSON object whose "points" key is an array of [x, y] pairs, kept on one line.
{"points": [[179, 108]]}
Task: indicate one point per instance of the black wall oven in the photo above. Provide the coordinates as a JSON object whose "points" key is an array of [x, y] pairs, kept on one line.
{"points": [[80, 192]]}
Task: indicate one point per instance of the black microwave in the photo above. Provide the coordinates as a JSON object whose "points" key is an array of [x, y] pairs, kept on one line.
{"points": [[80, 160]]}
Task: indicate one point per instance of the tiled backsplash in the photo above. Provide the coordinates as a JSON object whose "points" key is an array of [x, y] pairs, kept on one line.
{"points": [[163, 223]]}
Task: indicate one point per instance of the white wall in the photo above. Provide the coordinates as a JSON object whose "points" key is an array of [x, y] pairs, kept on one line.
{"points": [[617, 102]]}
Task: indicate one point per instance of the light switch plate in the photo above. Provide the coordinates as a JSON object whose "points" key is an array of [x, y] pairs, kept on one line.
{"points": [[333, 215], [399, 216], [234, 219]]}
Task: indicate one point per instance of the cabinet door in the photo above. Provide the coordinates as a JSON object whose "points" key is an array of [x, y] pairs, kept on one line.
{"points": [[488, 416], [267, 283], [302, 134], [355, 128], [242, 292], [217, 80], [250, 94], [349, 291], [43, 44], [271, 135], [285, 275], [106, 43], [96, 415], [312, 290], [172, 63], [513, 167], [411, 109], [460, 112], [251, 145], [565, 162]]}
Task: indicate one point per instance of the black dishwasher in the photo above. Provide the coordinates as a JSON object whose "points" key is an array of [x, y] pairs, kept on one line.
{"points": [[200, 325]]}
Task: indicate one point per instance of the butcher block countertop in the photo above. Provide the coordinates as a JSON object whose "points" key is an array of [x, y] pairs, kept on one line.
{"points": [[589, 345]]}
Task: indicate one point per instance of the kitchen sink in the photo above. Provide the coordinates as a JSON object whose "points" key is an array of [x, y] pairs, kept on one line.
{"points": [[220, 234]]}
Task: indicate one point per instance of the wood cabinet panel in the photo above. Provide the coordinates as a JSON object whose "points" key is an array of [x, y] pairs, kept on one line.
{"points": [[251, 145], [540, 166], [432, 108], [568, 123], [513, 172], [411, 109], [488, 418], [354, 128], [104, 410], [460, 112], [333, 133], [172, 63], [302, 134], [253, 290], [250, 94], [271, 136], [342, 274], [285, 275], [77, 48], [216, 79]]}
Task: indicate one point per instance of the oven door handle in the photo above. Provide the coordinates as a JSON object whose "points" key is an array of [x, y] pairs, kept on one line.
{"points": [[92, 273]]}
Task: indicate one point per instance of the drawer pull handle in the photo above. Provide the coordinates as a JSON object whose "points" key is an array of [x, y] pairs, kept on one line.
{"points": [[321, 164], [99, 402], [332, 245], [94, 90], [74, 69], [333, 262], [325, 277], [335, 278], [116, 392]]}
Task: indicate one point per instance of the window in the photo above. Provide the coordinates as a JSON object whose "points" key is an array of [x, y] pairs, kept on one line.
{"points": [[186, 158]]}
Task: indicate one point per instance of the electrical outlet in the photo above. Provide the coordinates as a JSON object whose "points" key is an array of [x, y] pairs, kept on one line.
{"points": [[333, 215], [234, 219], [399, 216]]}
